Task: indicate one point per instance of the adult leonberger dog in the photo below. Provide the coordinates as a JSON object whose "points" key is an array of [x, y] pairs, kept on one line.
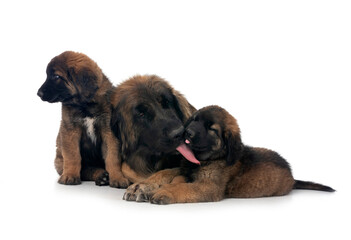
{"points": [[86, 145], [149, 122], [221, 167]]}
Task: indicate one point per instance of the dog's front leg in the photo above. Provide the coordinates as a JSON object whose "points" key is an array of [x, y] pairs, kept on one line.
{"points": [[142, 191], [204, 191], [113, 161], [70, 139]]}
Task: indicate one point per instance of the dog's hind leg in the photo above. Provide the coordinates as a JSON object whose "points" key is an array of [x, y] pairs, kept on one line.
{"points": [[99, 175]]}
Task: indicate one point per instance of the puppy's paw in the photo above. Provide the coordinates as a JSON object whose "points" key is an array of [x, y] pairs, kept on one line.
{"points": [[140, 192], [162, 197], [68, 179], [102, 179], [119, 182]]}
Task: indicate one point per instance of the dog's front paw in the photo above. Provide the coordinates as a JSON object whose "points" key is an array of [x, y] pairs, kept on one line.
{"points": [[102, 179], [163, 197], [68, 179], [119, 182], [140, 192]]}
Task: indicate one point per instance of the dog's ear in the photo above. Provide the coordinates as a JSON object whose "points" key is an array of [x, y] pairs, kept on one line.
{"points": [[234, 146], [87, 84], [116, 118], [122, 129], [183, 108]]}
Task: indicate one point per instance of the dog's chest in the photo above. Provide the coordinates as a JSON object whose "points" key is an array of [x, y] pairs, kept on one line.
{"points": [[89, 124]]}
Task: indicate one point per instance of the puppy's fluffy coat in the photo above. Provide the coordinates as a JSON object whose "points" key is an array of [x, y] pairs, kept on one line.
{"points": [[86, 145], [228, 167]]}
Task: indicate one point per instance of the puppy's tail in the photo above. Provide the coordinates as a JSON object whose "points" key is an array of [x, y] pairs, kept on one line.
{"points": [[312, 186]]}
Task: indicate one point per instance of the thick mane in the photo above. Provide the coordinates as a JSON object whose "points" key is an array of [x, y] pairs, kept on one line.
{"points": [[137, 147]]}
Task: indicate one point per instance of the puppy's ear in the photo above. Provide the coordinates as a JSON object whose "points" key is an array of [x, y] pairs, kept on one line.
{"points": [[234, 147], [122, 129], [116, 118], [87, 82]]}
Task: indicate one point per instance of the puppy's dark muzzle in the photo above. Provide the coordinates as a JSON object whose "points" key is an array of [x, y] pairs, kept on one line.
{"points": [[45, 96]]}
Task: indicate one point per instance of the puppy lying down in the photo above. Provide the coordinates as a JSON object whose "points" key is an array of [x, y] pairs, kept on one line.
{"points": [[219, 167]]}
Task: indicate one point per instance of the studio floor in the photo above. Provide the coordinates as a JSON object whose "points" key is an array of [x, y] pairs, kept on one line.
{"points": [[48, 210]]}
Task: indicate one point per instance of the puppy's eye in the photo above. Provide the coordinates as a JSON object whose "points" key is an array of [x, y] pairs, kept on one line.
{"points": [[140, 114], [213, 129], [140, 111], [56, 77]]}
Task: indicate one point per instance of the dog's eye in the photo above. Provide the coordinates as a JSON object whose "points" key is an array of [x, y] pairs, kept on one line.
{"points": [[56, 77], [213, 129], [141, 111], [140, 114]]}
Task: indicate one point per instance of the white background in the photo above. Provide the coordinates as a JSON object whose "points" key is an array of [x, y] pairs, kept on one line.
{"points": [[282, 68]]}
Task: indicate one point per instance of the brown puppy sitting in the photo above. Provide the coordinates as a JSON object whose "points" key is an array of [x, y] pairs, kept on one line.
{"points": [[224, 166], [86, 145]]}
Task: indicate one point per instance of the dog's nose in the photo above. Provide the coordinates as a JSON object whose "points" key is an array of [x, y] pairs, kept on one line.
{"points": [[176, 133], [40, 93]]}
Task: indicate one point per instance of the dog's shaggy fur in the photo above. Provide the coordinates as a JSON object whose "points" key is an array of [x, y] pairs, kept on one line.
{"points": [[148, 120], [228, 167], [86, 145]]}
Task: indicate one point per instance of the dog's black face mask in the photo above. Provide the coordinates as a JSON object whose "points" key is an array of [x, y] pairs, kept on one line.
{"points": [[155, 117], [204, 136], [54, 89], [158, 122], [212, 134], [67, 84]]}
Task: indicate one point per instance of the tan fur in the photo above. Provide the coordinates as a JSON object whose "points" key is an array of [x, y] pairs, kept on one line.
{"points": [[69, 138], [263, 180], [90, 92], [258, 173], [129, 94], [141, 190], [132, 175]]}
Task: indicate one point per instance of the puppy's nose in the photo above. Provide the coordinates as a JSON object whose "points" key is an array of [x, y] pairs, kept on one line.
{"points": [[176, 133], [40, 93]]}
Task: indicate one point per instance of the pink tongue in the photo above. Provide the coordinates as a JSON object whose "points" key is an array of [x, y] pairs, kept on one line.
{"points": [[187, 153]]}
